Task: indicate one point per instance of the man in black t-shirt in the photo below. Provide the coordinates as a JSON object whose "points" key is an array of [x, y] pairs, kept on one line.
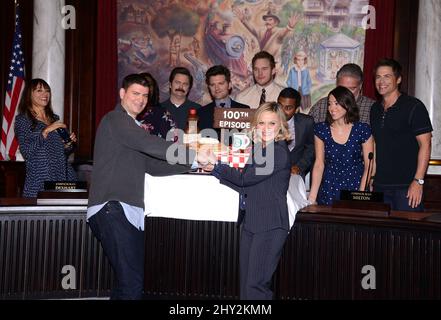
{"points": [[402, 131]]}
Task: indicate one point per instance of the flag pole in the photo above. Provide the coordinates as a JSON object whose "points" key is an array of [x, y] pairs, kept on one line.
{"points": [[15, 8]]}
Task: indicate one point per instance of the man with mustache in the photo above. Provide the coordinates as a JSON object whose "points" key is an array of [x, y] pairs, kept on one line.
{"points": [[178, 104]]}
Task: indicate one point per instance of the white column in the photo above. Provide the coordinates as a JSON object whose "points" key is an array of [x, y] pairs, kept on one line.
{"points": [[48, 49], [428, 69]]}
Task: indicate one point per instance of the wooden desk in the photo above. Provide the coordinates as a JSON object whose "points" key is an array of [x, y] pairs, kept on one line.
{"points": [[37, 241], [326, 252], [12, 177], [322, 259]]}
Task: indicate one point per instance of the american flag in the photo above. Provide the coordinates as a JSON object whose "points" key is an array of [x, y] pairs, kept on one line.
{"points": [[14, 89]]}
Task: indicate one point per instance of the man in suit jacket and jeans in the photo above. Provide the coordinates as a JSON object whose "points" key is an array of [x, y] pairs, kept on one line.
{"points": [[301, 127], [123, 153]]}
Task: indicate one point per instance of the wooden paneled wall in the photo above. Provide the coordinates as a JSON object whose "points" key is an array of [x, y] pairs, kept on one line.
{"points": [[34, 248], [79, 103], [323, 258], [406, 27]]}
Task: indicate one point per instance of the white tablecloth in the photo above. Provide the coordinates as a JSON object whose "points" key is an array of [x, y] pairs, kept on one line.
{"points": [[190, 196], [202, 197]]}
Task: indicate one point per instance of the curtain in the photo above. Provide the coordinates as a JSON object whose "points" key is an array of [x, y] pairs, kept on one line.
{"points": [[379, 42], [106, 62]]}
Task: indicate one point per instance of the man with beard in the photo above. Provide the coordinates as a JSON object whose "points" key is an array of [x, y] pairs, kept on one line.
{"points": [[264, 88], [181, 82]]}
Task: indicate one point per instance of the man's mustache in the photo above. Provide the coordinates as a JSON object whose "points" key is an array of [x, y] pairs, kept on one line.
{"points": [[180, 90]]}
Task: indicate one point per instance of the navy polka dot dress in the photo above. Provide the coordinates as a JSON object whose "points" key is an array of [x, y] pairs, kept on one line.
{"points": [[46, 159], [343, 162]]}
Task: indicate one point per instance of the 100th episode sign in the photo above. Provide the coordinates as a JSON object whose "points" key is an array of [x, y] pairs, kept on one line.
{"points": [[233, 118]]}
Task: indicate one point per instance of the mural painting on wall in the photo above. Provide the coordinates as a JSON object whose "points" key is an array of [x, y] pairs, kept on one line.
{"points": [[315, 38]]}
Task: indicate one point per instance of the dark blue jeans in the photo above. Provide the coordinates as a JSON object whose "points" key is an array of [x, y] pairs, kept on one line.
{"points": [[123, 245], [397, 199]]}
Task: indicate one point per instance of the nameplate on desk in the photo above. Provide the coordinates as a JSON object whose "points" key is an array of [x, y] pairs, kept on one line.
{"points": [[62, 197], [361, 196], [362, 203], [233, 118], [65, 186]]}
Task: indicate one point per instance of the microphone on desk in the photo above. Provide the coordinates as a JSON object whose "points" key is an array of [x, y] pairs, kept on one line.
{"points": [[368, 177]]}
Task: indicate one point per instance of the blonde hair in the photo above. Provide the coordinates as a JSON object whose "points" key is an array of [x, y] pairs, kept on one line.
{"points": [[276, 108]]}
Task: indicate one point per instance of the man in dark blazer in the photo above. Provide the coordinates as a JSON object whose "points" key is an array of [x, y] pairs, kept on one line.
{"points": [[218, 79], [301, 127], [123, 153]]}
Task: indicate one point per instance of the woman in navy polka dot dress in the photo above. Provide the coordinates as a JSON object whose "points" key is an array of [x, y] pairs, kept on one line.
{"points": [[40, 144], [342, 147]]}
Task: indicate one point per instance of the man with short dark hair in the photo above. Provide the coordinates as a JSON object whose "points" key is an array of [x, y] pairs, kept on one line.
{"points": [[181, 82], [403, 138], [349, 76], [123, 153], [264, 88], [218, 79], [301, 127]]}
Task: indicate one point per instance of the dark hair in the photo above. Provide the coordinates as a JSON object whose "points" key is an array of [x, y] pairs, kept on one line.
{"points": [[184, 71], [264, 55], [153, 90], [25, 105], [291, 93], [132, 79], [351, 70], [216, 71], [346, 100], [388, 62]]}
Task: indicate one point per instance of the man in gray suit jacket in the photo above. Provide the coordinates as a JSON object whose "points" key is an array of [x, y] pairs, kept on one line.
{"points": [[301, 127], [123, 153]]}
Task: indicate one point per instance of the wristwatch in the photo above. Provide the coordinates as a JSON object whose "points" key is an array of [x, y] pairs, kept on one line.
{"points": [[419, 181]]}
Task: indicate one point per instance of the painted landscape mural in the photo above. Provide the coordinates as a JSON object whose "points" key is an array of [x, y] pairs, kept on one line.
{"points": [[317, 36]]}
